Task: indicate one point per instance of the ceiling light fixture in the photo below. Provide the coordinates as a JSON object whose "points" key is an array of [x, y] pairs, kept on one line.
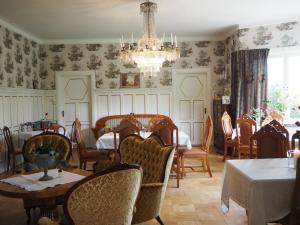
{"points": [[150, 52]]}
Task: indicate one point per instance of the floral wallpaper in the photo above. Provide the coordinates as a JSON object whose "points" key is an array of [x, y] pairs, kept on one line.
{"points": [[25, 63], [19, 61], [103, 58], [271, 36]]}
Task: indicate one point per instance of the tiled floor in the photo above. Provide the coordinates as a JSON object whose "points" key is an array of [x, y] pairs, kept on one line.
{"points": [[196, 202]]}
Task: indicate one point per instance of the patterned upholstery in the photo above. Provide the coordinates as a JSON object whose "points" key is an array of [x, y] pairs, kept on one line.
{"points": [[108, 123], [156, 161], [104, 198], [60, 143]]}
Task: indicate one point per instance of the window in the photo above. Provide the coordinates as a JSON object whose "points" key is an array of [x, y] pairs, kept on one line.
{"points": [[284, 84]]}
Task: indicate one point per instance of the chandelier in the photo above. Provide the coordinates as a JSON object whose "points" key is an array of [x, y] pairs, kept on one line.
{"points": [[150, 52]]}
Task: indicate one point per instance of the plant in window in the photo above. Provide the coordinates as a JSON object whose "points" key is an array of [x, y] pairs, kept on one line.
{"points": [[278, 99], [258, 114]]}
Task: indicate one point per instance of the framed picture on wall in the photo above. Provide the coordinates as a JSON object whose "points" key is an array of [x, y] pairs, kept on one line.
{"points": [[129, 80]]}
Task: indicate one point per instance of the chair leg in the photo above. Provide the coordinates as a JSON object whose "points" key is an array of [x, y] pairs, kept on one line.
{"points": [[177, 172], [208, 166], [27, 210], [84, 165], [182, 166], [159, 220], [225, 152], [8, 162]]}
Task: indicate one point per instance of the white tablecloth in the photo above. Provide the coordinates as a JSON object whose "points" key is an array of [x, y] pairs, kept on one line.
{"points": [[31, 182], [106, 141], [262, 186], [25, 135]]}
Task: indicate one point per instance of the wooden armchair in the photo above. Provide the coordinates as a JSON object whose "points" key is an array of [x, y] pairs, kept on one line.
{"points": [[165, 128], [277, 116], [203, 151], [124, 129], [12, 152], [245, 126], [107, 197], [56, 128], [227, 134], [270, 143], [296, 136], [279, 127], [156, 161], [87, 155]]}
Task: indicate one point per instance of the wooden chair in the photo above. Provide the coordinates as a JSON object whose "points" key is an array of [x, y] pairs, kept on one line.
{"points": [[271, 143], [279, 127], [85, 154], [227, 134], [166, 129], [56, 128], [294, 218], [125, 128], [107, 197], [203, 152], [277, 116], [12, 152], [267, 120], [244, 130], [296, 136]]}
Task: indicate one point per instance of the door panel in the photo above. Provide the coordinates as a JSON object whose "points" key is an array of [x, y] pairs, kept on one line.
{"points": [[74, 101], [190, 102]]}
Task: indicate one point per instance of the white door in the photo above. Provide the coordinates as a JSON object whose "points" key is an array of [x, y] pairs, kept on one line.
{"points": [[74, 100], [191, 101]]}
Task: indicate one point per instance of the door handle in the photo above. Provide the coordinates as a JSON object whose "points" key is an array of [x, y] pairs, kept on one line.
{"points": [[63, 113], [204, 110]]}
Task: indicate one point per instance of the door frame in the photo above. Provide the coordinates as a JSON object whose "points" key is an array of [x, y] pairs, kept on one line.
{"points": [[59, 98], [208, 97]]}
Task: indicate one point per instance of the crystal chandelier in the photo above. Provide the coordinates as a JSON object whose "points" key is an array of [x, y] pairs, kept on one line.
{"points": [[150, 51]]}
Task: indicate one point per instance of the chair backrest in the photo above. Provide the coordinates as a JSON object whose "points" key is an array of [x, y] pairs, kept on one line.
{"points": [[271, 143], [60, 144], [295, 206], [79, 139], [150, 153], [226, 126], [125, 128], [267, 120], [133, 120], [165, 128], [8, 140], [57, 128], [107, 197], [208, 132], [244, 129], [277, 116], [296, 136], [279, 127]]}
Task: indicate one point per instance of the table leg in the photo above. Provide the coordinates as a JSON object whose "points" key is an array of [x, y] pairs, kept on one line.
{"points": [[48, 208]]}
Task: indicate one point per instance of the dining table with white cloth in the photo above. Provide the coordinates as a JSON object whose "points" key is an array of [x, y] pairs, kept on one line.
{"points": [[263, 187], [106, 141]]}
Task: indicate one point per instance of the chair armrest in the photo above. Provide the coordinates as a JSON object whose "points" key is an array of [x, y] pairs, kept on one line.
{"points": [[152, 185], [46, 221]]}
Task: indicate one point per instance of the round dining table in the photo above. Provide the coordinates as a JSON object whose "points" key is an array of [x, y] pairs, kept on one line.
{"points": [[46, 199]]}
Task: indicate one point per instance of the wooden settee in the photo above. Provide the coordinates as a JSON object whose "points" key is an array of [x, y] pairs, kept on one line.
{"points": [[108, 123]]}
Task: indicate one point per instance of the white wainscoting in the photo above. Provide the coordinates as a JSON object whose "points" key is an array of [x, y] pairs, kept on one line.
{"points": [[18, 105], [138, 101]]}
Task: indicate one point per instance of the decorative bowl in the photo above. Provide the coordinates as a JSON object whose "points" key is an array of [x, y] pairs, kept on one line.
{"points": [[44, 161]]}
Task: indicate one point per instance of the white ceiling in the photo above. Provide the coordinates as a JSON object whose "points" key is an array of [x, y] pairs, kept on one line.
{"points": [[57, 20]]}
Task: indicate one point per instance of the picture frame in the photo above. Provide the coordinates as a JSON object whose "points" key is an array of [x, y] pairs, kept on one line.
{"points": [[130, 80]]}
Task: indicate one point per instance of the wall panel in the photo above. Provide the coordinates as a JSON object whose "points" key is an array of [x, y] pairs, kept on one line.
{"points": [[115, 102]]}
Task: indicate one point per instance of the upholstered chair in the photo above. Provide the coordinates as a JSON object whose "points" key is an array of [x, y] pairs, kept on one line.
{"points": [[156, 161], [105, 198], [60, 143]]}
